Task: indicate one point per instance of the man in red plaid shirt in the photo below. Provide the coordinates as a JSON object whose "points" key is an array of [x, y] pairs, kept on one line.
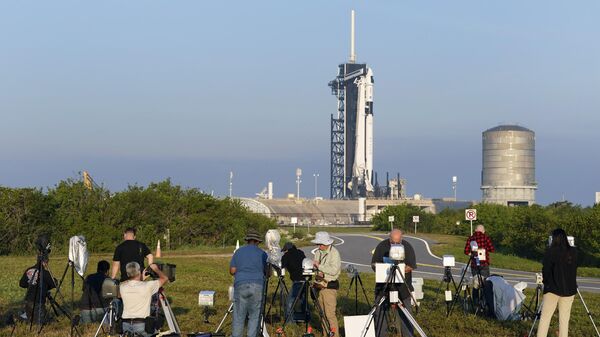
{"points": [[483, 242]]}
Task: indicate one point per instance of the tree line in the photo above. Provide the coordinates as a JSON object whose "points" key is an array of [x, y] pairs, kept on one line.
{"points": [[188, 216], [521, 231]]}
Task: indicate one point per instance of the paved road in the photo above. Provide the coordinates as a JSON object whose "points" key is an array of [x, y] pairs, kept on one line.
{"points": [[356, 249]]}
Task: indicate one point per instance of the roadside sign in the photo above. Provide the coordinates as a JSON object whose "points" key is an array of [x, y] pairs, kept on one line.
{"points": [[471, 214], [391, 218], [415, 221], [294, 221]]}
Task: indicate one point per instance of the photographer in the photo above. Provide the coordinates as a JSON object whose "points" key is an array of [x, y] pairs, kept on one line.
{"points": [[382, 255], [481, 267], [560, 283], [483, 242], [37, 290], [248, 267], [130, 250], [137, 295], [92, 306], [329, 266], [292, 262]]}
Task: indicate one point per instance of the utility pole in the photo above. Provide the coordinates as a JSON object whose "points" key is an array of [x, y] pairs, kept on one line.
{"points": [[454, 183], [316, 175], [230, 184], [298, 181]]}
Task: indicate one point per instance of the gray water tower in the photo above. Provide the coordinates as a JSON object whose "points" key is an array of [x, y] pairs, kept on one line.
{"points": [[508, 172]]}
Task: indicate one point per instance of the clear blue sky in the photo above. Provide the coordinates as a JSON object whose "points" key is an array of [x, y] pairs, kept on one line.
{"points": [[137, 91]]}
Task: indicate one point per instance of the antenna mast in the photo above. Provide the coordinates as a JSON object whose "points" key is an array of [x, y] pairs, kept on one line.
{"points": [[352, 52]]}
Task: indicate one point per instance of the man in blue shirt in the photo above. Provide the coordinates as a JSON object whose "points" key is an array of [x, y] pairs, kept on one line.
{"points": [[248, 266]]}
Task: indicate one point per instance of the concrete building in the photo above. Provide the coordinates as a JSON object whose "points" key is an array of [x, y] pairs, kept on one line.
{"points": [[338, 212], [597, 198], [508, 170]]}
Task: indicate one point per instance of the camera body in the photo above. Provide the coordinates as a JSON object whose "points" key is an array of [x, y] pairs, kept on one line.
{"points": [[448, 261], [42, 243], [308, 267], [167, 268], [539, 279], [570, 239], [397, 253], [110, 289]]}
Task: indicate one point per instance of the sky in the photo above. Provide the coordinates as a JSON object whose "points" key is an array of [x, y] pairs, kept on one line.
{"points": [[140, 91]]}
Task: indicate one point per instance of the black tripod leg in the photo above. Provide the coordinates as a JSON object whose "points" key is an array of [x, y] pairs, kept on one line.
{"points": [[350, 287], [289, 314], [364, 291], [460, 283]]}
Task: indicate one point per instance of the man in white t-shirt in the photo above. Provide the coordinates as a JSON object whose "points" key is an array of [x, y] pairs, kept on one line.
{"points": [[137, 295]]}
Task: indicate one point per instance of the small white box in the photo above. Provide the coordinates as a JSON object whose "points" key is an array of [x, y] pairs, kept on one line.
{"points": [[394, 298], [382, 273], [448, 295], [481, 254], [206, 298], [448, 261]]}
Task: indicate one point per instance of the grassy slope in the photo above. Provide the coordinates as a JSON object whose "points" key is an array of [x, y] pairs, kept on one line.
{"points": [[454, 245], [203, 273]]}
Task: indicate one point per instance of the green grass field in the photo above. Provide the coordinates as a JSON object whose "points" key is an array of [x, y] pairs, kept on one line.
{"points": [[455, 245], [197, 272]]}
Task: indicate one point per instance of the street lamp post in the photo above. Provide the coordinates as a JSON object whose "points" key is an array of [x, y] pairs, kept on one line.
{"points": [[454, 183], [316, 175], [298, 181]]}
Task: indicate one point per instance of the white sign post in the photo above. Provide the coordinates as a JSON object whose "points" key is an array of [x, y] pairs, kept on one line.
{"points": [[294, 221], [416, 221], [391, 221], [471, 215]]}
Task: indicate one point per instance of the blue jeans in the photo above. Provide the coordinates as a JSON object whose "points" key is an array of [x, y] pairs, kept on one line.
{"points": [[247, 300], [139, 328], [294, 291]]}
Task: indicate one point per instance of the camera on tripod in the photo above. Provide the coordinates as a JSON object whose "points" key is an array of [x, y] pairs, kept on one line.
{"points": [[110, 289], [42, 243], [167, 268], [397, 254], [570, 240], [478, 253], [308, 268], [351, 270], [539, 279]]}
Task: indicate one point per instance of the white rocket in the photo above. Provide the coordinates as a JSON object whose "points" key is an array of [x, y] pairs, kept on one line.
{"points": [[362, 169]]}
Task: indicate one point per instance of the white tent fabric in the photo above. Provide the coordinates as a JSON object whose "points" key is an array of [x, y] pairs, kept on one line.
{"points": [[507, 299], [78, 254]]}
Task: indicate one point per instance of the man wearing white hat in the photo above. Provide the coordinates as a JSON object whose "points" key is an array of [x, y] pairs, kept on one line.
{"points": [[329, 265]]}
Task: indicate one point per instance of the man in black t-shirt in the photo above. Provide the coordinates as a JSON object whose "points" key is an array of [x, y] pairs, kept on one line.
{"points": [[130, 250], [292, 262]]}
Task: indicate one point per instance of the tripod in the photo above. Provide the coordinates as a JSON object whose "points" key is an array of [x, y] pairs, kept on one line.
{"points": [[168, 312], [229, 311], [447, 278], [110, 317], [356, 280], [392, 279], [532, 310], [42, 286], [282, 292], [481, 305], [539, 312], [70, 265], [307, 289]]}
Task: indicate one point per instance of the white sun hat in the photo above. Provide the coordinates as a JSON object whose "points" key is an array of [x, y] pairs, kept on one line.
{"points": [[322, 238]]}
